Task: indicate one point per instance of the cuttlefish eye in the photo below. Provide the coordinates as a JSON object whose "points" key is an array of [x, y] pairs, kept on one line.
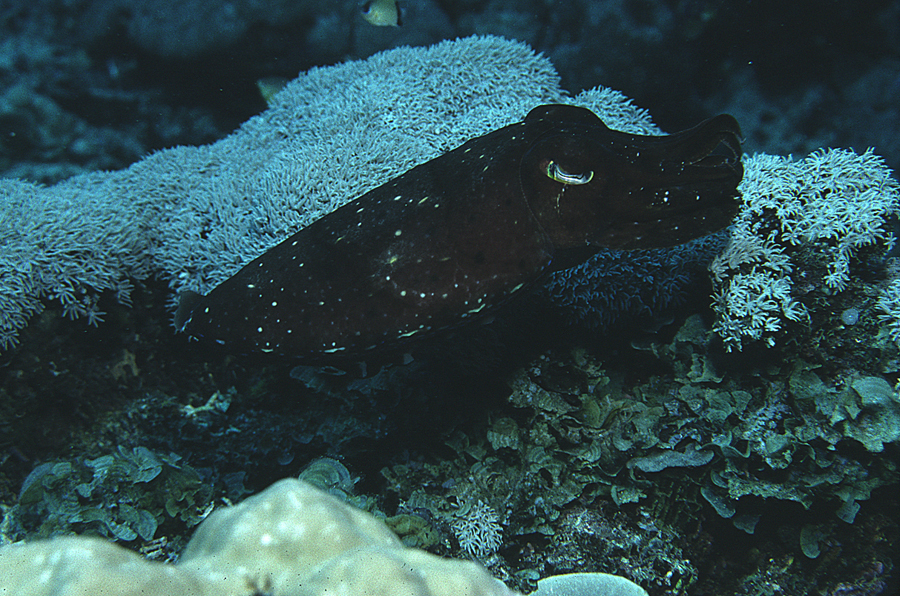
{"points": [[555, 172]]}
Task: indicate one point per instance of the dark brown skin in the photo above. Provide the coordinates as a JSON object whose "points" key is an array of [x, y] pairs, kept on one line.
{"points": [[455, 237]]}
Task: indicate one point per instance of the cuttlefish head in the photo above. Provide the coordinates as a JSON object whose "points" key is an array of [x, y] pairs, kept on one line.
{"points": [[588, 185]]}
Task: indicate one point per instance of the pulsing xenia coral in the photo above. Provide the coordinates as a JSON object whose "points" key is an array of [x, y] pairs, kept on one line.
{"points": [[477, 529], [889, 304], [823, 208], [68, 244]]}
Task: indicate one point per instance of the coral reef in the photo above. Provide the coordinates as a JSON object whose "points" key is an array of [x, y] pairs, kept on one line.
{"points": [[290, 539], [650, 456], [223, 204], [614, 468]]}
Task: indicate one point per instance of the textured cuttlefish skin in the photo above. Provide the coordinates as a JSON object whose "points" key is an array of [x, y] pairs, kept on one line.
{"points": [[455, 237]]}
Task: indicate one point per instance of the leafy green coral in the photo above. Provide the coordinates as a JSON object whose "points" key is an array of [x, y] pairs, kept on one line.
{"points": [[696, 434], [124, 495]]}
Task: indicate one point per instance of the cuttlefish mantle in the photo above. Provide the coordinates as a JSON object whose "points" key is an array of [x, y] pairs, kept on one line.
{"points": [[456, 237]]}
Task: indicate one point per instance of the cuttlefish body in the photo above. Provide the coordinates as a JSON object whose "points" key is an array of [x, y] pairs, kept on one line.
{"points": [[456, 237]]}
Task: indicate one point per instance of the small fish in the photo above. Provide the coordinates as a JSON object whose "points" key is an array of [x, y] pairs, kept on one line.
{"points": [[269, 87], [382, 13]]}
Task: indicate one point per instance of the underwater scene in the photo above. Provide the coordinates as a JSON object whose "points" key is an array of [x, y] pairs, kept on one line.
{"points": [[420, 297]]}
